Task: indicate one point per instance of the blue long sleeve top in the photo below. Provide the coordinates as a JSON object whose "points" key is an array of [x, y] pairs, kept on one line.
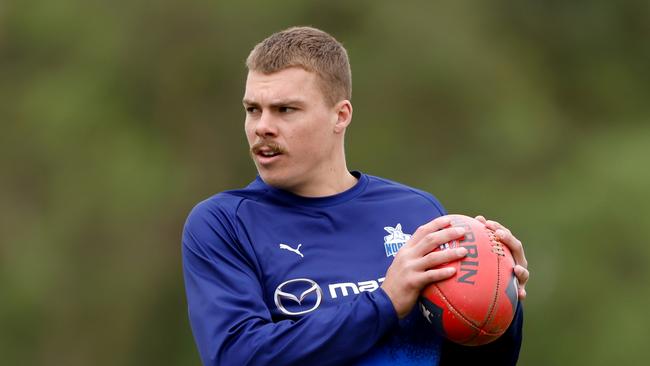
{"points": [[277, 279]]}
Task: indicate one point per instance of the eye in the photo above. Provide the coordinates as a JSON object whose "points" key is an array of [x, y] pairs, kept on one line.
{"points": [[286, 109], [251, 110]]}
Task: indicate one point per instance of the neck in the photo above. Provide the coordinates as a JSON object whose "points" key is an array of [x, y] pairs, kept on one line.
{"points": [[332, 181], [328, 178]]}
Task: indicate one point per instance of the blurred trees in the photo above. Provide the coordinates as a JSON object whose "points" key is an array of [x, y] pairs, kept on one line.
{"points": [[118, 116]]}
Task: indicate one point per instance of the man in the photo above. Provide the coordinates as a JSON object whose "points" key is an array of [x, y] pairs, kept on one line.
{"points": [[292, 269]]}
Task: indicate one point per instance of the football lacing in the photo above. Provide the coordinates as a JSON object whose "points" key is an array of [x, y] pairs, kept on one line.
{"points": [[497, 248]]}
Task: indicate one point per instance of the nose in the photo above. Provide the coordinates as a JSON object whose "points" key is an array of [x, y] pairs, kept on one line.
{"points": [[266, 126]]}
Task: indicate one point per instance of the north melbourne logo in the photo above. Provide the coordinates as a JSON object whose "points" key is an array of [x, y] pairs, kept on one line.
{"points": [[394, 241]]}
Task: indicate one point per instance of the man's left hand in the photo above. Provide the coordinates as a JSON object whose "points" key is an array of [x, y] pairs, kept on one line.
{"points": [[517, 250]]}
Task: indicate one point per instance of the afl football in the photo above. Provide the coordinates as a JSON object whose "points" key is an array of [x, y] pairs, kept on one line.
{"points": [[477, 304]]}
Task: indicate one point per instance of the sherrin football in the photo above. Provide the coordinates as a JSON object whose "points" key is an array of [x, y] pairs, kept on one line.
{"points": [[477, 304]]}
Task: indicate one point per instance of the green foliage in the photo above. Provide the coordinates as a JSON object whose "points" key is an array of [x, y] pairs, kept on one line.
{"points": [[118, 116]]}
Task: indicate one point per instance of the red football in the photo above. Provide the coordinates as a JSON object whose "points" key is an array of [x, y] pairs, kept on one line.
{"points": [[478, 303]]}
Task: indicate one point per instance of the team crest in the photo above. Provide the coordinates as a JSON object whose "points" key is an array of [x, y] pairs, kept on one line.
{"points": [[395, 240]]}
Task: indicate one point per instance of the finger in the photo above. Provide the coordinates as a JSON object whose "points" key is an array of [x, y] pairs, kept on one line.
{"points": [[521, 294], [430, 227], [433, 240], [494, 225], [437, 258], [522, 275], [435, 275], [515, 246], [481, 218]]}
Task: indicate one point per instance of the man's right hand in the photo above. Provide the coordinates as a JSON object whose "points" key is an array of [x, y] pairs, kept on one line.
{"points": [[413, 266]]}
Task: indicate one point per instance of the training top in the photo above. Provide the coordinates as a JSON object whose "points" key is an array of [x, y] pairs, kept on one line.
{"points": [[273, 278]]}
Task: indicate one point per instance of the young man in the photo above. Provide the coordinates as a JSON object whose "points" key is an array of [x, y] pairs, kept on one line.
{"points": [[301, 267]]}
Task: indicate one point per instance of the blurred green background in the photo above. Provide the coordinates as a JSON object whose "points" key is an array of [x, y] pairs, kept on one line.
{"points": [[118, 116]]}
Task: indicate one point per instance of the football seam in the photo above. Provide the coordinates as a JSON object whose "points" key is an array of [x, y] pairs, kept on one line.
{"points": [[491, 311], [495, 298], [454, 310], [450, 306]]}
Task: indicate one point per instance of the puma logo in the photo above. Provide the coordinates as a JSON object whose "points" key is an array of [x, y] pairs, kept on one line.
{"points": [[297, 250]]}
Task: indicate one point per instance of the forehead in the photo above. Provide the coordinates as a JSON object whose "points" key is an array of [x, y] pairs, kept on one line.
{"points": [[289, 83]]}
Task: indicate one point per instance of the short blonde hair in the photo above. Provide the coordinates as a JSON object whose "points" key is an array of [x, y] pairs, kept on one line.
{"points": [[308, 48]]}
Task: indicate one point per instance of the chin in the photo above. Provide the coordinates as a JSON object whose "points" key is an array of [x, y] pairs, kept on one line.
{"points": [[275, 179]]}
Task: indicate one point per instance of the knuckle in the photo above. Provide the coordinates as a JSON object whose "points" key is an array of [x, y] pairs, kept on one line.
{"points": [[446, 231], [522, 277], [429, 257], [413, 283], [518, 246], [431, 237], [434, 275], [398, 256], [452, 233], [446, 234], [422, 230], [431, 275], [409, 266], [444, 257], [432, 259], [515, 245], [448, 254], [496, 225], [441, 220]]}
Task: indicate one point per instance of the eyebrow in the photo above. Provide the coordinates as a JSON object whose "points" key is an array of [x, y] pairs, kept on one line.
{"points": [[278, 103], [248, 102]]}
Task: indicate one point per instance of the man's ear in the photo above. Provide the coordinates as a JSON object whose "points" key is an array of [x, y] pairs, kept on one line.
{"points": [[344, 115]]}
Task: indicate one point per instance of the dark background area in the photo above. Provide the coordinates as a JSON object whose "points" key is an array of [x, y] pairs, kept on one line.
{"points": [[118, 116]]}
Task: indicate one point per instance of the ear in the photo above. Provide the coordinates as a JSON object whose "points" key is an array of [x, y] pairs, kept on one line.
{"points": [[343, 115]]}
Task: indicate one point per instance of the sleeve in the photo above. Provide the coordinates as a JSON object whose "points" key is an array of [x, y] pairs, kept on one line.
{"points": [[232, 324], [503, 351]]}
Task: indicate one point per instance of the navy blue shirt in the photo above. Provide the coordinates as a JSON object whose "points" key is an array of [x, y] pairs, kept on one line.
{"points": [[273, 278]]}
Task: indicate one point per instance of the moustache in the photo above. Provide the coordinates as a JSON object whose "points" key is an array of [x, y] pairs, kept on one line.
{"points": [[267, 146]]}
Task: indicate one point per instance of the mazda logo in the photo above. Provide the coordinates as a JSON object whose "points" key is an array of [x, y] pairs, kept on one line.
{"points": [[284, 296]]}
